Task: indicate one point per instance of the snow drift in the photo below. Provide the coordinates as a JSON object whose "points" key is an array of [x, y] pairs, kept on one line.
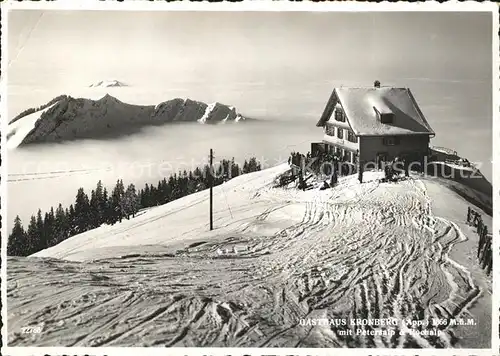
{"points": [[70, 118], [276, 260]]}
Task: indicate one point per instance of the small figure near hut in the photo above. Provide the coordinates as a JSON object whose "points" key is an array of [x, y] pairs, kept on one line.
{"points": [[388, 172], [334, 178], [325, 186], [396, 167], [406, 167]]}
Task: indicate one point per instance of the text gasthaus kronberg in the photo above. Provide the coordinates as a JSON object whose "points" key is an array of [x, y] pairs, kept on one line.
{"points": [[426, 326]]}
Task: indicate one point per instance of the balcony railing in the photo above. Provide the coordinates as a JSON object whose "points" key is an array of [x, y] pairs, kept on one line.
{"points": [[340, 142]]}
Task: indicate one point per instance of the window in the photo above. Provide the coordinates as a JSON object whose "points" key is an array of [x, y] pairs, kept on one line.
{"points": [[391, 141], [339, 115], [340, 133], [384, 118], [405, 156], [387, 118], [330, 130], [348, 156], [351, 137]]}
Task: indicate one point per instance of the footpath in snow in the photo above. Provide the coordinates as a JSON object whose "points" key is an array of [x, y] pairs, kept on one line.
{"points": [[278, 262]]}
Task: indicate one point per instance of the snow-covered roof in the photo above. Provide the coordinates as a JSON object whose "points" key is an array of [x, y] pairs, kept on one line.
{"points": [[361, 105]]}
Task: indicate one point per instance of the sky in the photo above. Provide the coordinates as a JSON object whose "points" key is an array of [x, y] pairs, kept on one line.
{"points": [[62, 48]]}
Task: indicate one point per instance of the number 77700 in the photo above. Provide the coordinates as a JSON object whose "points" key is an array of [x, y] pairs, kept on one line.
{"points": [[31, 330]]}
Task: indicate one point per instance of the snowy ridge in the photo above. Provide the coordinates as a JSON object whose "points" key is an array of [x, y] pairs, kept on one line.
{"points": [[80, 118], [280, 256]]}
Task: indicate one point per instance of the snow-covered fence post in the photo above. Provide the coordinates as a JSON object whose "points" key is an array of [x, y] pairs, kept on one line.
{"points": [[489, 260], [487, 252], [475, 218], [480, 246], [486, 256], [484, 248], [481, 257]]}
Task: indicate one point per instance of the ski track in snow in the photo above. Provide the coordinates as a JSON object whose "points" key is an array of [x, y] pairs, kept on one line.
{"points": [[360, 251]]}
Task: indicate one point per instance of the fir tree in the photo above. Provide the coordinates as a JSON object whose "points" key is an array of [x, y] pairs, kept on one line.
{"points": [[117, 202], [131, 202], [101, 199], [72, 220], [171, 194], [198, 174], [105, 207], [121, 189], [95, 217], [164, 191], [32, 236], [235, 169], [82, 212], [153, 196], [17, 244], [42, 242], [49, 227], [146, 197], [183, 183], [141, 198], [191, 185], [251, 166], [61, 226], [254, 165]]}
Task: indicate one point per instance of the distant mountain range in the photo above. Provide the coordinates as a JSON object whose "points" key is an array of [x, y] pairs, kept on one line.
{"points": [[67, 118], [108, 84]]}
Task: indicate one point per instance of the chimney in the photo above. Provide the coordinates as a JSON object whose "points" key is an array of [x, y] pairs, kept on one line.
{"points": [[376, 84]]}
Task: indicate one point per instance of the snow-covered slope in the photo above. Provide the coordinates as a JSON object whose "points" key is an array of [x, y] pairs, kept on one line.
{"points": [[217, 112], [18, 130], [276, 260], [71, 118]]}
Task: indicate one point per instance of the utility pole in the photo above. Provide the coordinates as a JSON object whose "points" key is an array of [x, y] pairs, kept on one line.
{"points": [[211, 182]]}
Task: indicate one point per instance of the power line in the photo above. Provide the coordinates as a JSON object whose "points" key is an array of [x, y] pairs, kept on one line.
{"points": [[227, 203]]}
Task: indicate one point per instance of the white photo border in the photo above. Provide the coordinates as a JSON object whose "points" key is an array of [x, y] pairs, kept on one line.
{"points": [[263, 5]]}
